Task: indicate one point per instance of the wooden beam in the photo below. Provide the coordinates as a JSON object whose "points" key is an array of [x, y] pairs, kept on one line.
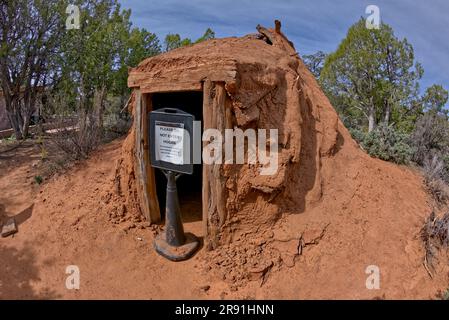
{"points": [[138, 154], [207, 108], [220, 181], [229, 123], [214, 183], [148, 207], [225, 71], [150, 191], [154, 86]]}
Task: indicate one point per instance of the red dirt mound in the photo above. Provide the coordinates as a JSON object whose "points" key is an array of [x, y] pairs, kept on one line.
{"points": [[328, 198], [372, 214], [267, 87]]}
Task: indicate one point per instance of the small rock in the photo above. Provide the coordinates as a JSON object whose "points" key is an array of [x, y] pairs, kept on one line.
{"points": [[312, 236], [259, 272], [205, 288], [9, 228]]}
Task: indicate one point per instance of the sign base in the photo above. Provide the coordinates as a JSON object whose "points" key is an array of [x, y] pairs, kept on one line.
{"points": [[173, 253]]}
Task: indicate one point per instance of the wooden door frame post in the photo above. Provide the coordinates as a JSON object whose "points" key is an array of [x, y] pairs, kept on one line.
{"points": [[207, 118], [144, 171], [214, 183]]}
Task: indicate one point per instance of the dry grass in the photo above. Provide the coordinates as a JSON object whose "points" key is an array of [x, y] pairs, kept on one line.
{"points": [[77, 143], [438, 189], [433, 177], [435, 234], [65, 146]]}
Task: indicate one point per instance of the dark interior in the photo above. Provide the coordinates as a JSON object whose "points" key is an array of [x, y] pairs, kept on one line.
{"points": [[189, 186]]}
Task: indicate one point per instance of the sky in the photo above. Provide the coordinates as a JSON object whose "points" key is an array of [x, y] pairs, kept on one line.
{"points": [[311, 25]]}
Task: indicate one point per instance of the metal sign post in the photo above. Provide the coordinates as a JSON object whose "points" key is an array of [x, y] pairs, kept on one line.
{"points": [[171, 139]]}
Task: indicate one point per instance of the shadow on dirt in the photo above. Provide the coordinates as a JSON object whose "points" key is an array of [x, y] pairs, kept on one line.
{"points": [[24, 215], [18, 272], [18, 268]]}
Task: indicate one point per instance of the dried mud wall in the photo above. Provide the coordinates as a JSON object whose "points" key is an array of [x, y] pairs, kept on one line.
{"points": [[277, 92], [277, 97]]}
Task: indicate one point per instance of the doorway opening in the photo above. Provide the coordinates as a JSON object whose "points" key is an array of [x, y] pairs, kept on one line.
{"points": [[189, 186]]}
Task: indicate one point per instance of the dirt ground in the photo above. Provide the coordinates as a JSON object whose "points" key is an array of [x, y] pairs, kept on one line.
{"points": [[65, 222]]}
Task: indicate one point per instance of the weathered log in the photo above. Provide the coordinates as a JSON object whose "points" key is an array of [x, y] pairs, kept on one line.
{"points": [[149, 176], [220, 182], [214, 182], [207, 118], [277, 38], [145, 177], [228, 114], [169, 86], [214, 72]]}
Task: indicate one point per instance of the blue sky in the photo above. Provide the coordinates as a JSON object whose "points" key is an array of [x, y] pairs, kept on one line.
{"points": [[311, 25]]}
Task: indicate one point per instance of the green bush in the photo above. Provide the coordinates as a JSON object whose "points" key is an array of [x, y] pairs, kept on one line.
{"points": [[385, 143], [430, 139], [11, 138], [38, 179], [357, 135]]}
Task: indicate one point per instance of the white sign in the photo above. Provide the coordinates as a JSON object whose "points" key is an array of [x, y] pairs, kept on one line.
{"points": [[170, 142]]}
